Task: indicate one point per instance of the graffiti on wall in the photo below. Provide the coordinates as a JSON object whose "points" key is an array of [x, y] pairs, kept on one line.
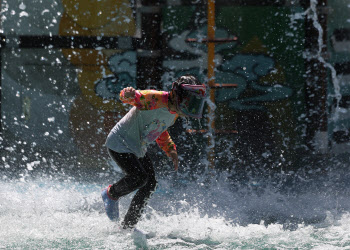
{"points": [[251, 68]]}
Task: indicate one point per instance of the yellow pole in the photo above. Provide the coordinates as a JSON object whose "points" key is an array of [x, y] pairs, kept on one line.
{"points": [[211, 77]]}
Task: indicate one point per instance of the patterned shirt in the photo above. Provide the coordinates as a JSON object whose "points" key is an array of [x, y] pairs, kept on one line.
{"points": [[146, 122]]}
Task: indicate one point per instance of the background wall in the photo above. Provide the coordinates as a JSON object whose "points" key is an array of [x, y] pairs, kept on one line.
{"points": [[64, 101]]}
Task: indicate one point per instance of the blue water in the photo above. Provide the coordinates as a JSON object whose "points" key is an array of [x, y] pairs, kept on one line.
{"points": [[209, 213]]}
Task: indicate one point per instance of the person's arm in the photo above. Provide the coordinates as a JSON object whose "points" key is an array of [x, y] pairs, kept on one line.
{"points": [[144, 99], [165, 142]]}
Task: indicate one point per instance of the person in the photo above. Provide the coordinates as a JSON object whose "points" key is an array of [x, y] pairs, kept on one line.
{"points": [[153, 112]]}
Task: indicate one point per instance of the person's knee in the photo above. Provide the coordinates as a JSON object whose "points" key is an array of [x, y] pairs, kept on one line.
{"points": [[146, 181], [141, 180]]}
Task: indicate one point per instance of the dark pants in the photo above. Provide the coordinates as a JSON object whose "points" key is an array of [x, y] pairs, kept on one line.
{"points": [[139, 174]]}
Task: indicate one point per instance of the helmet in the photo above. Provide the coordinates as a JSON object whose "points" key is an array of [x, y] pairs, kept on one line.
{"points": [[190, 96]]}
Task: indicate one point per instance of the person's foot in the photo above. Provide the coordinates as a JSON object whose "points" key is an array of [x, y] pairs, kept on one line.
{"points": [[111, 205]]}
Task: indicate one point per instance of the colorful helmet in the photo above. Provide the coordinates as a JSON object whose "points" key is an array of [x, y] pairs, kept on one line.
{"points": [[190, 96]]}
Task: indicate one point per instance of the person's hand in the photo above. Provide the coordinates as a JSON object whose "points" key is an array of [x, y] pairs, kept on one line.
{"points": [[174, 158], [129, 92]]}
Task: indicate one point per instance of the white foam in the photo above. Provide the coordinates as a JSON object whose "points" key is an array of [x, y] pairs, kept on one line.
{"points": [[46, 213]]}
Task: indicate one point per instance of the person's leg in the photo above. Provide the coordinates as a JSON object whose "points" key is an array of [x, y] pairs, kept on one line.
{"points": [[142, 196], [135, 177]]}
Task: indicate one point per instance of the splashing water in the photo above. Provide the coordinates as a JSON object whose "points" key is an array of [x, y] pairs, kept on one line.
{"points": [[311, 13], [44, 213], [206, 212]]}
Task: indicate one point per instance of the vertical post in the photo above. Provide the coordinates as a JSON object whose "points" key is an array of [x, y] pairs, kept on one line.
{"points": [[149, 56], [211, 78], [316, 80]]}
